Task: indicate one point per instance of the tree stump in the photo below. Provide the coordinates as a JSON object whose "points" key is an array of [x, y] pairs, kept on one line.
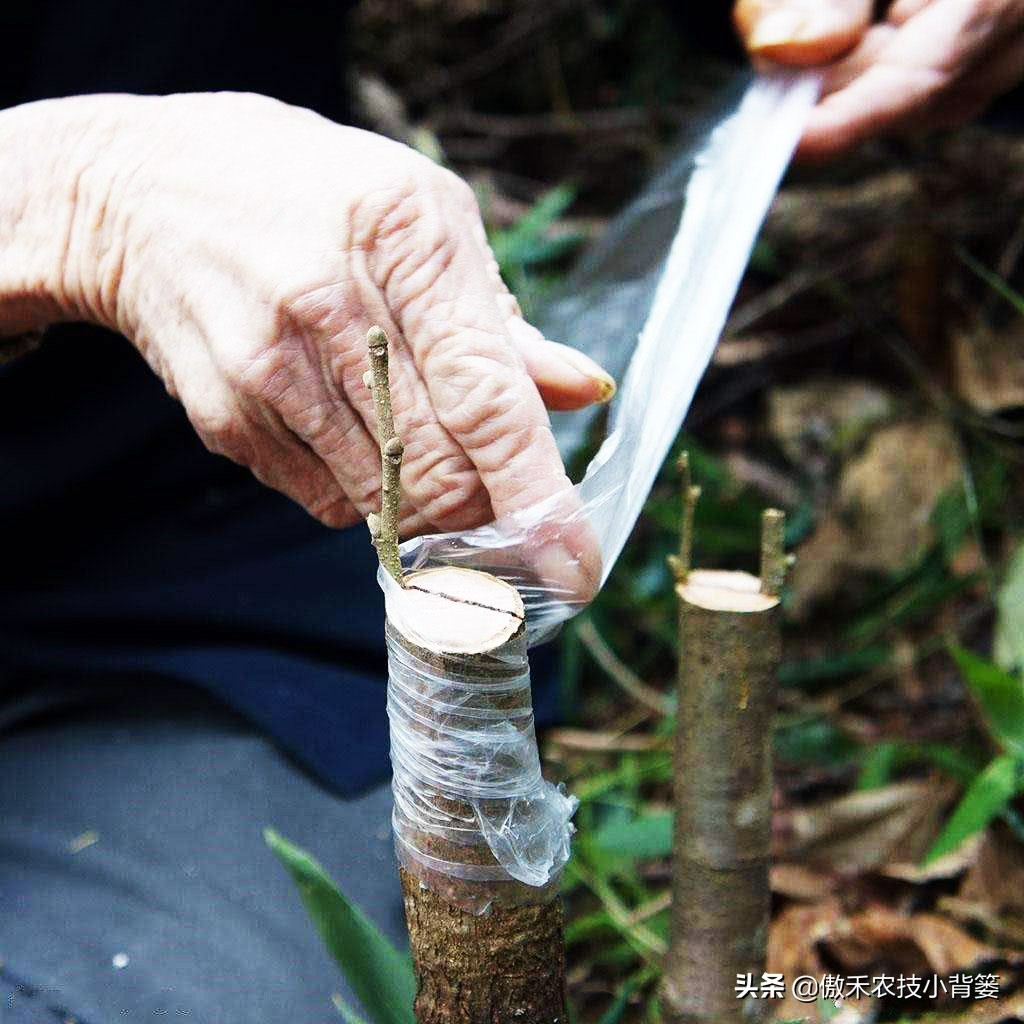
{"points": [[481, 837]]}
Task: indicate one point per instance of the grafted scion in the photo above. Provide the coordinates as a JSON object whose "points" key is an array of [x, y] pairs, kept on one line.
{"points": [[384, 525]]}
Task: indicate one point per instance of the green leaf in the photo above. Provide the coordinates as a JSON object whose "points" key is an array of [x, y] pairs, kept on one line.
{"points": [[657, 768], [348, 1015], [951, 518], [955, 763], [827, 1009], [833, 666], [1009, 638], [379, 974], [1000, 695], [993, 280], [877, 765], [986, 796], [614, 1012], [642, 838], [523, 244], [813, 741], [586, 926], [926, 586], [881, 762]]}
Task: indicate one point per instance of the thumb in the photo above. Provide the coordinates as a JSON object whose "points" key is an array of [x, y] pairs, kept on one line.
{"points": [[801, 32]]}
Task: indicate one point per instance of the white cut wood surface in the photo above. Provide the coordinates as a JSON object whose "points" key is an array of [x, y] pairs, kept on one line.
{"points": [[719, 590], [451, 610]]}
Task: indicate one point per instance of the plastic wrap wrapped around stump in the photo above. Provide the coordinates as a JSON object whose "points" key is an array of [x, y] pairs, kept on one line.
{"points": [[474, 818]]}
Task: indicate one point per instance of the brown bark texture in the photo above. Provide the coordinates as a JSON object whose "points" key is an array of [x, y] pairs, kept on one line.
{"points": [[505, 965], [723, 790]]}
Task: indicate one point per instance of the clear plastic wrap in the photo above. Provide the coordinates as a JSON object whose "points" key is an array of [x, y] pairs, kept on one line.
{"points": [[471, 804], [548, 552]]}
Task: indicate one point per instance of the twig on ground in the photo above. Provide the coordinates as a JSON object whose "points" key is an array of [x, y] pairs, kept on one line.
{"points": [[621, 673]]}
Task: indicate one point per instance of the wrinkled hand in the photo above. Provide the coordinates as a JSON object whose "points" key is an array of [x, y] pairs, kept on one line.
{"points": [[246, 246], [928, 64]]}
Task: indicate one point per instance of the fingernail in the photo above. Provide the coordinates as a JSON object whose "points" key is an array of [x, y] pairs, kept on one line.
{"points": [[820, 25], [606, 387], [585, 365], [776, 28]]}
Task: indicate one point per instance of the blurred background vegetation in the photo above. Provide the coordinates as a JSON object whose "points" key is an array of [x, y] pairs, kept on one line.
{"points": [[871, 383]]}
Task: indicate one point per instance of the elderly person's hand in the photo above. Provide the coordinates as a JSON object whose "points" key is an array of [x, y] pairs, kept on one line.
{"points": [[928, 64], [245, 247]]}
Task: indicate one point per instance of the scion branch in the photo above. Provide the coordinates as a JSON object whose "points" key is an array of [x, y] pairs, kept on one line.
{"points": [[774, 561], [681, 563], [384, 525]]}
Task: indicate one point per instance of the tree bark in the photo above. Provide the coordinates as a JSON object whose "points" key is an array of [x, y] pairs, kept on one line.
{"points": [[505, 965], [722, 781]]}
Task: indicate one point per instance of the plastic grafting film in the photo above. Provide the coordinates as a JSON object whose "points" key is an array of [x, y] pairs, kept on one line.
{"points": [[546, 552], [471, 805]]}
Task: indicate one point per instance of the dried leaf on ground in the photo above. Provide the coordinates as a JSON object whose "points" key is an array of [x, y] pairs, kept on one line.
{"points": [[799, 882], [997, 877], [793, 947], [946, 947], [829, 416], [866, 829], [989, 366], [888, 493], [1009, 638], [1005, 929], [954, 863], [880, 939], [881, 517], [820, 568], [816, 939], [986, 1011]]}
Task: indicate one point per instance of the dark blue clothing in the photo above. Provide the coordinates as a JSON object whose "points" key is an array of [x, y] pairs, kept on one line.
{"points": [[128, 548], [135, 885], [296, 52]]}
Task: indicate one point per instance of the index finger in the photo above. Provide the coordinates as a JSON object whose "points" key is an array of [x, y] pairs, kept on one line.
{"points": [[895, 77], [444, 303], [801, 33]]}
